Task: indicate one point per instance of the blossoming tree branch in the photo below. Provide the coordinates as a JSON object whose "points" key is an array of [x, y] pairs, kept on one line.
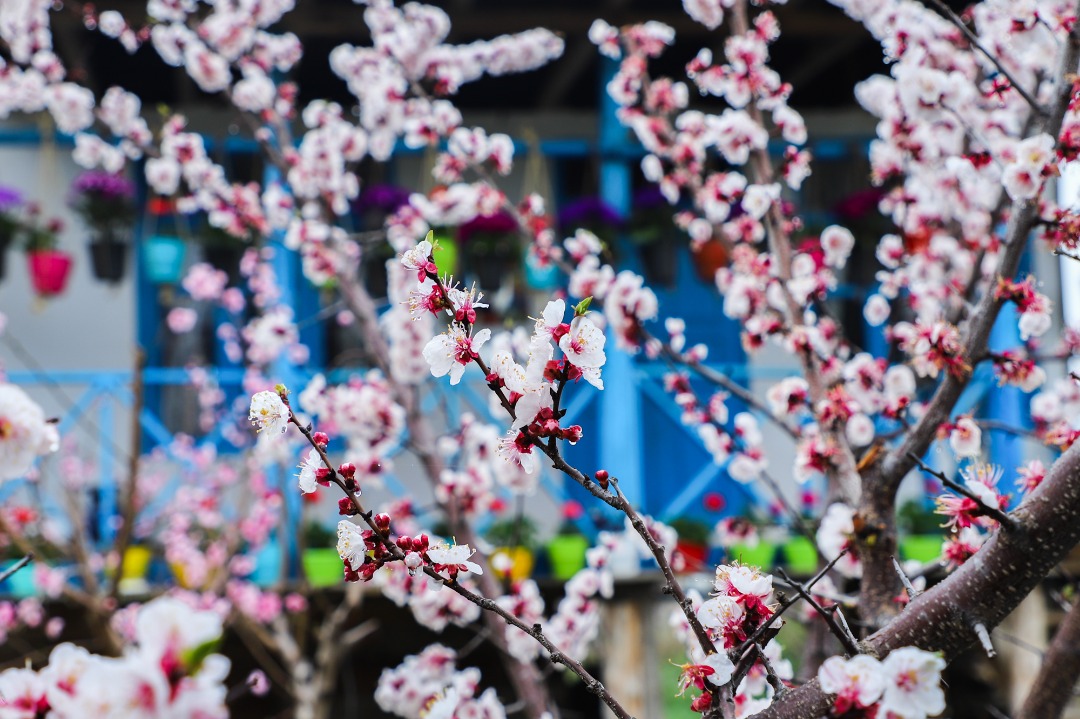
{"points": [[977, 116]]}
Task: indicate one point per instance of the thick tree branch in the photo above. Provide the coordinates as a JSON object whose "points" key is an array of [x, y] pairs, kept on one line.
{"points": [[984, 590]]}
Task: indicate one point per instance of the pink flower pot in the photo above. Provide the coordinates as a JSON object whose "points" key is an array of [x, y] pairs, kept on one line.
{"points": [[49, 270]]}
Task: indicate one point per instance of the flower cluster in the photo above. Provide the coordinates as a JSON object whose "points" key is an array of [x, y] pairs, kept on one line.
{"points": [[430, 685], [170, 671], [907, 683]]}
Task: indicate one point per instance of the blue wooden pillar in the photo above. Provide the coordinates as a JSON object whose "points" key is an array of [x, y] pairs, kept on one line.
{"points": [[621, 434], [287, 269]]}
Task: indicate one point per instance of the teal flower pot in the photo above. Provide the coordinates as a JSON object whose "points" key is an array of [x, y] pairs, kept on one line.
{"points": [[541, 278], [268, 564], [163, 259], [20, 584]]}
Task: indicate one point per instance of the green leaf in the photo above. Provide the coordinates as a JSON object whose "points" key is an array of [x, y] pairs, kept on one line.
{"points": [[582, 307], [194, 657]]}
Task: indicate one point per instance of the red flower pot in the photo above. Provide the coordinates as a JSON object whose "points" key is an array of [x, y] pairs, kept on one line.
{"points": [[49, 270], [694, 555], [709, 258]]}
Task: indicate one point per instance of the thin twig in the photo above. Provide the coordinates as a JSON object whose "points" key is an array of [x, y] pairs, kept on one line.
{"points": [[1002, 518], [16, 566], [1062, 253], [971, 38], [846, 639], [911, 590], [770, 674], [984, 639]]}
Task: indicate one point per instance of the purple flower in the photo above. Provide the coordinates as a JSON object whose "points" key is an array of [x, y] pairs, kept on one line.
{"points": [[858, 204], [105, 185], [500, 222], [10, 198], [589, 211], [385, 198]]}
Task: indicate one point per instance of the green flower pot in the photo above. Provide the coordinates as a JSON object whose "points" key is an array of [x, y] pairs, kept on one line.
{"points": [[323, 567], [446, 255], [921, 547], [760, 556], [800, 556], [567, 554]]}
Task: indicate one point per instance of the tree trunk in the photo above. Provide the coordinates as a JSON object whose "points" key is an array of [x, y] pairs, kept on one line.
{"points": [[1054, 685]]}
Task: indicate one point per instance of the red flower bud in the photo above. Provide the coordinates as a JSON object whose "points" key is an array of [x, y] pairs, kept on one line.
{"points": [[382, 521], [347, 470], [320, 439], [346, 507]]}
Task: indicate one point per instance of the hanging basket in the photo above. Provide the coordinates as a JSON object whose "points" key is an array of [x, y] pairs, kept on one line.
{"points": [[163, 259], [108, 257], [49, 271]]}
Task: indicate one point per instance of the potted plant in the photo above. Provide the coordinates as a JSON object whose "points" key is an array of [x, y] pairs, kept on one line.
{"points": [[49, 267], [800, 555], [322, 565], [492, 249], [515, 541], [105, 202], [566, 550], [10, 202], [920, 532], [163, 250], [656, 236], [371, 208], [741, 542], [593, 214], [693, 544]]}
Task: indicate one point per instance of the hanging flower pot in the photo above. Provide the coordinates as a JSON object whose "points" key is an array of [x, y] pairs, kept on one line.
{"points": [[108, 256], [4, 242], [660, 261], [163, 259], [49, 271], [541, 277], [709, 257]]}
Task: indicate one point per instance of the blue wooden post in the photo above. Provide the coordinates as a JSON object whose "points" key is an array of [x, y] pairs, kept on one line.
{"points": [[620, 404], [1005, 404], [106, 469]]}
